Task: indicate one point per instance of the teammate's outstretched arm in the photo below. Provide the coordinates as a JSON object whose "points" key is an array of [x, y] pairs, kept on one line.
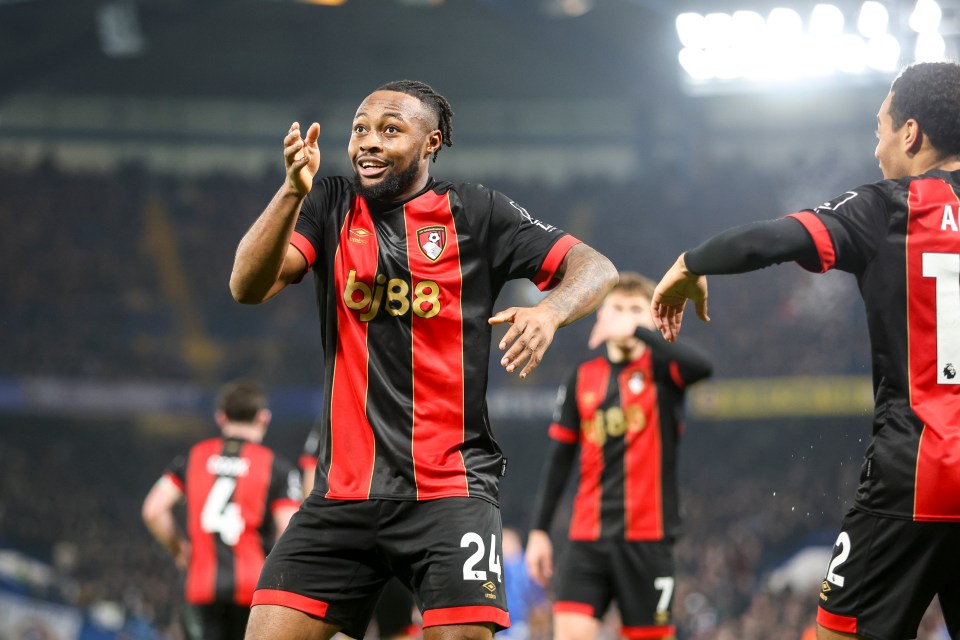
{"points": [[738, 250], [266, 262], [585, 277]]}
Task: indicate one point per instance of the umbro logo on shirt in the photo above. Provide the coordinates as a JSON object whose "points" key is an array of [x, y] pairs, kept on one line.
{"points": [[360, 235]]}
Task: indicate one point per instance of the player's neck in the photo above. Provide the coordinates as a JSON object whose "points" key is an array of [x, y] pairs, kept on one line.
{"points": [[930, 162], [249, 432]]}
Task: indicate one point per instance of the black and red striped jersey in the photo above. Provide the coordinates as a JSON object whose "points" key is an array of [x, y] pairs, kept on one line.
{"points": [[231, 488], [901, 238], [404, 296], [626, 419]]}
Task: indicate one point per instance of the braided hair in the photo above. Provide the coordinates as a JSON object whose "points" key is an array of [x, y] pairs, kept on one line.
{"points": [[437, 103]]}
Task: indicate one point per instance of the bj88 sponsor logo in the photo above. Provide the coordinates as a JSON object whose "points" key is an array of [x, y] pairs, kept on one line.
{"points": [[393, 295]]}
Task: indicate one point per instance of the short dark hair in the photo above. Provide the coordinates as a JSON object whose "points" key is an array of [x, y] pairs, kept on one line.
{"points": [[437, 103], [241, 400], [929, 92], [632, 283]]}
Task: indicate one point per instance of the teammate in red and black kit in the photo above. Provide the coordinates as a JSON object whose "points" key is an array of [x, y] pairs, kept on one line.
{"points": [[394, 611], [239, 496], [623, 411], [407, 269], [901, 238]]}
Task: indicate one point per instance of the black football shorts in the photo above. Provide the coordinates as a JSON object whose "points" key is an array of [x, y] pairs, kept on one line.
{"points": [[637, 575], [336, 556], [394, 612], [884, 573]]}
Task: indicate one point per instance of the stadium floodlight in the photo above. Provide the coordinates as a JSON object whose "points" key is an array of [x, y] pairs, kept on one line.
{"points": [[748, 27], [692, 30], [851, 54], [873, 19], [783, 23], [826, 21], [883, 53], [930, 47], [696, 63], [747, 50], [727, 63], [926, 16], [719, 30]]}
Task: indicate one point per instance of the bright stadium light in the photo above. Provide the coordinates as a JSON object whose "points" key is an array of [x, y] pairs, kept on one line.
{"points": [[873, 19], [826, 21], [727, 63], [851, 54], [926, 16], [748, 27], [745, 50], [784, 23], [930, 47], [692, 30], [883, 53], [719, 30], [696, 63], [822, 57]]}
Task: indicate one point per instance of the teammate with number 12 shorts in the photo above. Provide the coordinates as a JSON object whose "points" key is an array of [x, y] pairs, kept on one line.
{"points": [[900, 237]]}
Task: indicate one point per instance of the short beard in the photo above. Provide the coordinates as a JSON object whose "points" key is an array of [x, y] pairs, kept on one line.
{"points": [[391, 187]]}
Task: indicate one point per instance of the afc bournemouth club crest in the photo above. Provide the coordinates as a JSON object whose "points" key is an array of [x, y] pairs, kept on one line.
{"points": [[432, 240]]}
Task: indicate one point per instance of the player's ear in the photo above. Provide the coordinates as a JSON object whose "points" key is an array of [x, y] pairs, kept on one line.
{"points": [[221, 418], [912, 136], [263, 418], [433, 142]]}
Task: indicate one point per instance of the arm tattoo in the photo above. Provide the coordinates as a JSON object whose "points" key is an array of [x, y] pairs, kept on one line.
{"points": [[585, 277]]}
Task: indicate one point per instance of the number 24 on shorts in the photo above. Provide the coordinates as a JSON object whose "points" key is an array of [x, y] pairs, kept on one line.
{"points": [[470, 570]]}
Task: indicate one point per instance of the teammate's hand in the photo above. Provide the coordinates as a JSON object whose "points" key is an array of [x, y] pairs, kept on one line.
{"points": [[539, 557], [531, 332], [670, 297], [182, 557], [302, 157]]}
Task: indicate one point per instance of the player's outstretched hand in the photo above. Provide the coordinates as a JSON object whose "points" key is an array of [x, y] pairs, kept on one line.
{"points": [[302, 157], [670, 297], [539, 557], [530, 333]]}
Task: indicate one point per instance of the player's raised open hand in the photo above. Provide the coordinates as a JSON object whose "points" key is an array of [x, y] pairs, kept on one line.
{"points": [[670, 297], [530, 333], [302, 157]]}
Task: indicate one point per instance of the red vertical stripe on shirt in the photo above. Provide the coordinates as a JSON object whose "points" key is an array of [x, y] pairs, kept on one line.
{"points": [[643, 494], [437, 359], [592, 380], [936, 401], [251, 496], [351, 436], [202, 573]]}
